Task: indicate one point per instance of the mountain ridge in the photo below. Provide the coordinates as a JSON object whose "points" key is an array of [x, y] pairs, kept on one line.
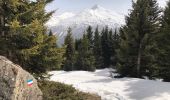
{"points": [[94, 16]]}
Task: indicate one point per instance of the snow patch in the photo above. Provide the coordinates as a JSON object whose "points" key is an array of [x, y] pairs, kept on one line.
{"points": [[109, 88]]}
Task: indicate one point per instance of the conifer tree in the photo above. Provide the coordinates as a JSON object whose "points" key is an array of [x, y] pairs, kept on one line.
{"points": [[113, 46], [85, 59], [52, 56], [106, 54], [50, 33], [77, 44], [97, 49], [24, 37], [90, 36], [164, 46], [70, 52], [116, 41], [137, 53], [8, 12]]}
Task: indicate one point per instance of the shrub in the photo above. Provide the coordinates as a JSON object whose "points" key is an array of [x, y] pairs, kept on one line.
{"points": [[58, 91]]}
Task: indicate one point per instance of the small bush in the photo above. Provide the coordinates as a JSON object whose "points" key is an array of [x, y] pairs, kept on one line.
{"points": [[58, 91]]}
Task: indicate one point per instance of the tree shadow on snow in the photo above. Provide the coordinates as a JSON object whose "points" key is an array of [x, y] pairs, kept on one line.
{"points": [[139, 89], [104, 72], [104, 80], [143, 89]]}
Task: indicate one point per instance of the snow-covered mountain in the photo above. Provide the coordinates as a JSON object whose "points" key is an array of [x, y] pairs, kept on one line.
{"points": [[95, 16]]}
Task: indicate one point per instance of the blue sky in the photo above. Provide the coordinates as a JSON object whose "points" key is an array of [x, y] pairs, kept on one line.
{"points": [[120, 6]]}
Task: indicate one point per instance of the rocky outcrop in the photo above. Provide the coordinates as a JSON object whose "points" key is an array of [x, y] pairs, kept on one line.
{"points": [[13, 83]]}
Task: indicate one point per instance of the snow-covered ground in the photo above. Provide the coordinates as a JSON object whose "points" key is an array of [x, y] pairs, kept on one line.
{"points": [[109, 88]]}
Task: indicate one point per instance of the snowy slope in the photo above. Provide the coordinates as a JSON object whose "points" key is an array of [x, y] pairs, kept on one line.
{"points": [[56, 19], [94, 16], [114, 89]]}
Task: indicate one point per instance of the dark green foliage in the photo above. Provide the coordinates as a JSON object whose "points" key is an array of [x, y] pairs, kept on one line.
{"points": [[109, 44], [114, 45], [98, 49], [106, 47], [137, 53], [85, 59], [90, 36], [101, 53], [50, 33], [58, 91], [24, 37], [70, 52], [164, 46], [77, 44]]}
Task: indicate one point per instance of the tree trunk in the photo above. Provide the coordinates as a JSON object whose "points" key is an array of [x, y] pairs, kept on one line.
{"points": [[2, 19], [2, 25], [139, 60]]}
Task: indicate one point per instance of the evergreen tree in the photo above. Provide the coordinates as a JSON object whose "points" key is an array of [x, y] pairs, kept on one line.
{"points": [[50, 33], [85, 59], [106, 54], [24, 37], [52, 56], [90, 36], [164, 46], [97, 49], [8, 13], [70, 52], [137, 53], [77, 44], [113, 46], [78, 57]]}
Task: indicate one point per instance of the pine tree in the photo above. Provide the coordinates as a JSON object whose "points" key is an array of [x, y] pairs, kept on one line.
{"points": [[90, 36], [24, 37], [97, 49], [77, 44], [164, 46], [78, 57], [106, 54], [85, 59], [113, 46], [137, 53], [70, 52], [50, 33], [52, 56], [8, 12]]}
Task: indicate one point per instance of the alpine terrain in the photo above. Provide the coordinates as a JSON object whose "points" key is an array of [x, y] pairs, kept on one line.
{"points": [[95, 16]]}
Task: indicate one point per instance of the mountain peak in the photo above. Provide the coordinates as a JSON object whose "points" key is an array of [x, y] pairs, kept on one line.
{"points": [[95, 16], [96, 7]]}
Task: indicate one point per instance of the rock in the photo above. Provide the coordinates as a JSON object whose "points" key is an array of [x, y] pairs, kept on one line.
{"points": [[13, 83]]}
